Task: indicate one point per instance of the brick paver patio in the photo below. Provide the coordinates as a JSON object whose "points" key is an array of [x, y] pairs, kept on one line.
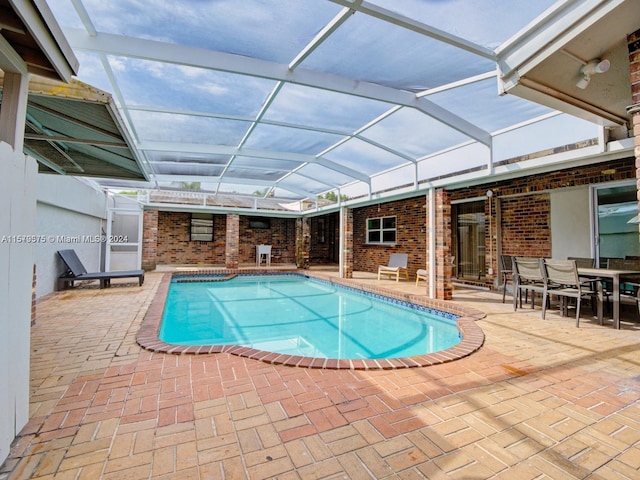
{"points": [[540, 399]]}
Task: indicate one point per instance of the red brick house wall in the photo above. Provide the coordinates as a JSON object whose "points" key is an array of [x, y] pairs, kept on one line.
{"points": [[176, 247], [410, 235], [524, 229], [525, 206], [150, 239], [634, 108], [525, 226], [281, 236], [443, 284]]}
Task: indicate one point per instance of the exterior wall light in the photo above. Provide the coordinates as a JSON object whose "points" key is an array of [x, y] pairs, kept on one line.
{"points": [[591, 68]]}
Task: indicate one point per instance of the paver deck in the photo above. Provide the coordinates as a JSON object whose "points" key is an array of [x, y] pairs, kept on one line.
{"points": [[539, 399]]}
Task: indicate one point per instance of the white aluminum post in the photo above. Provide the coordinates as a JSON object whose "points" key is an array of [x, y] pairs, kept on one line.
{"points": [[432, 242], [342, 241]]}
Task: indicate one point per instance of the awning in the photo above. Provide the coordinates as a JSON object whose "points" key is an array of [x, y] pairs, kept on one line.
{"points": [[75, 129]]}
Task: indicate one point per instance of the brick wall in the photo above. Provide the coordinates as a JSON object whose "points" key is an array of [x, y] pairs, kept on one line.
{"points": [[410, 235], [525, 218], [281, 236], [525, 224], [634, 109], [175, 246], [348, 252], [150, 239], [525, 227], [633, 41], [614, 170], [444, 285], [303, 242]]}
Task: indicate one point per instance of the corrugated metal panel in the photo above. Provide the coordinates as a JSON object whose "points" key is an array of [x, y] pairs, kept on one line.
{"points": [[74, 129]]}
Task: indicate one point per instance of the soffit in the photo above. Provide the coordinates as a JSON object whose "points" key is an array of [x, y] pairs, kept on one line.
{"points": [[28, 32], [550, 68]]}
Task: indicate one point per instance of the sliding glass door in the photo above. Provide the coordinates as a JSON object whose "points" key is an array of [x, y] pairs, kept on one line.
{"points": [[616, 225], [469, 240]]}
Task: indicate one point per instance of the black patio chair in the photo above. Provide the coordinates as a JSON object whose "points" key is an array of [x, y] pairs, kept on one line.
{"points": [[76, 272]]}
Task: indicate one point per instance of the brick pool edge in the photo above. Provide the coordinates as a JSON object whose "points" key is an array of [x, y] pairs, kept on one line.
{"points": [[472, 334]]}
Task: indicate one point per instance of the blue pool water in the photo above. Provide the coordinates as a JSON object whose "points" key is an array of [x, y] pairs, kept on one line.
{"points": [[296, 315]]}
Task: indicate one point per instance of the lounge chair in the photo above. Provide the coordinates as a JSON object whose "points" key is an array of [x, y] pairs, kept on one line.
{"points": [[397, 265], [421, 274], [76, 272]]}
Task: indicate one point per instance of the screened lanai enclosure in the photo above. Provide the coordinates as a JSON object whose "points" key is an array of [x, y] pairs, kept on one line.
{"points": [[293, 106]]}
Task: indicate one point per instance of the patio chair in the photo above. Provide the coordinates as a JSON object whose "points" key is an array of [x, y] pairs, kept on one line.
{"points": [[627, 288], [76, 272], [263, 251], [527, 276], [584, 262], [506, 263], [397, 265], [421, 274], [562, 280]]}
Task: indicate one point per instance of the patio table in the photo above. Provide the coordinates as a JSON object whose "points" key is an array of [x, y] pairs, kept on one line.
{"points": [[616, 277]]}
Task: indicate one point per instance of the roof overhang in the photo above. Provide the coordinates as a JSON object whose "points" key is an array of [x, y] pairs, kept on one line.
{"points": [[544, 65], [31, 41], [74, 129]]}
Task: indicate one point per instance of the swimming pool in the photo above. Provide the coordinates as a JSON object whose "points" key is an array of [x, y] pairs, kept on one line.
{"points": [[296, 315]]}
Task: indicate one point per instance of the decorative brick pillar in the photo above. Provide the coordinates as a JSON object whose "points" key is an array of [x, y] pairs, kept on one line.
{"points": [[232, 249], [633, 41], [150, 239], [303, 242], [347, 253], [444, 286]]}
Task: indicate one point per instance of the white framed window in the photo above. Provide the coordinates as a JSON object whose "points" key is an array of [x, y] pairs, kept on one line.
{"points": [[381, 230], [201, 227]]}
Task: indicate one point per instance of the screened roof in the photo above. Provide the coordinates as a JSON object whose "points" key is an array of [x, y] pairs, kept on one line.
{"points": [[290, 99]]}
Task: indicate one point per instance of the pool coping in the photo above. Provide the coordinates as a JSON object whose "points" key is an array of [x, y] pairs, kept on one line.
{"points": [[472, 334]]}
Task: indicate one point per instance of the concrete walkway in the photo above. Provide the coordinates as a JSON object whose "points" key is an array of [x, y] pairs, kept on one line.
{"points": [[540, 399]]}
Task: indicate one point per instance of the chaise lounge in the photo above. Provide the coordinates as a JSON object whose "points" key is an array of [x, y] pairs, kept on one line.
{"points": [[76, 272]]}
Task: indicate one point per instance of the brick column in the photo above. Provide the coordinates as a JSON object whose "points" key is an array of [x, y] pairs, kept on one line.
{"points": [[303, 242], [444, 286], [633, 41], [427, 242], [232, 250], [149, 239], [347, 253]]}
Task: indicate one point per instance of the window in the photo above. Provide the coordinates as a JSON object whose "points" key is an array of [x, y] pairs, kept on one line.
{"points": [[259, 222], [381, 230], [201, 227]]}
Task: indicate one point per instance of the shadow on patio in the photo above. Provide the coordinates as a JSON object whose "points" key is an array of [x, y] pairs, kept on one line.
{"points": [[540, 398]]}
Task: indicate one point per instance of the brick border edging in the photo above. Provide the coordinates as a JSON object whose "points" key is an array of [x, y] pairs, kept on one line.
{"points": [[472, 334]]}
